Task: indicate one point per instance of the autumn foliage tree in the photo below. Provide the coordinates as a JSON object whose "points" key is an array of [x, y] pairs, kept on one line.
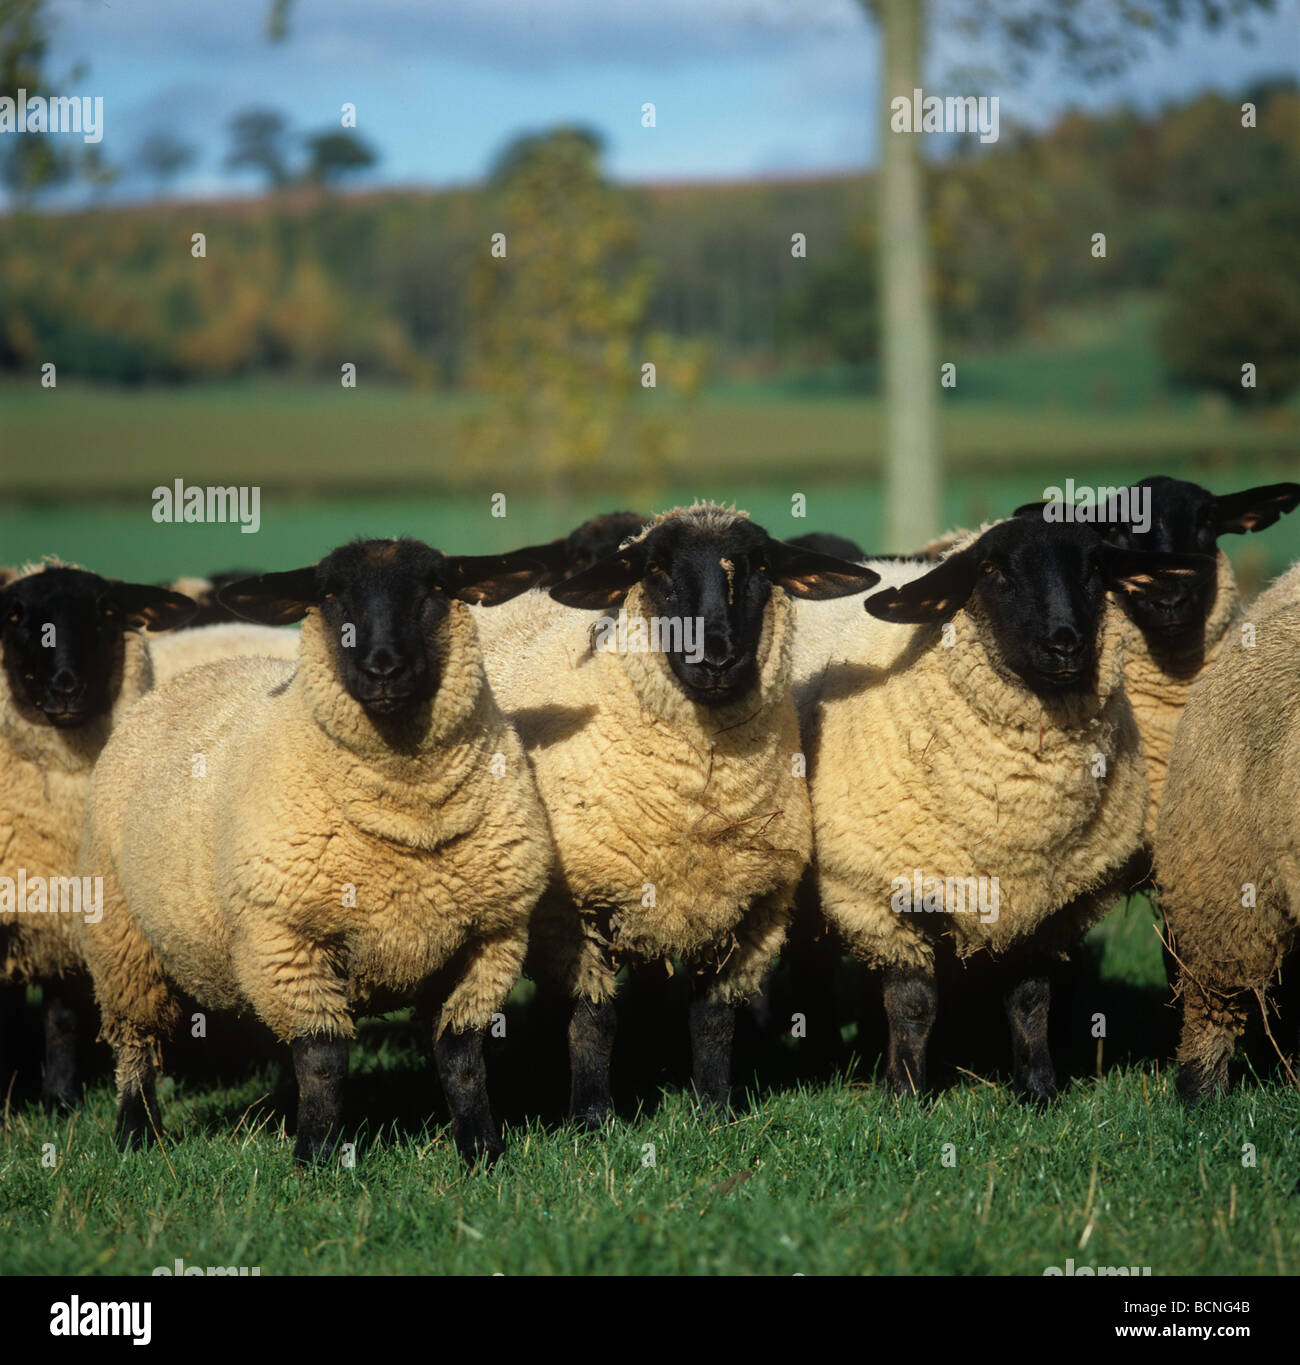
{"points": [[558, 343]]}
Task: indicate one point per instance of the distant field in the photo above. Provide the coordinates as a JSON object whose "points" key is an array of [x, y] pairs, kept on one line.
{"points": [[87, 443], [77, 465]]}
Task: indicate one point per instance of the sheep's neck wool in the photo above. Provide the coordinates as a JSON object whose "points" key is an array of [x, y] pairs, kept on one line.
{"points": [[410, 773]]}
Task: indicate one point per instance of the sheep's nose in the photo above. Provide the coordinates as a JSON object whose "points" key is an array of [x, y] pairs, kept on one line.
{"points": [[382, 663], [719, 662], [65, 683], [1065, 642]]}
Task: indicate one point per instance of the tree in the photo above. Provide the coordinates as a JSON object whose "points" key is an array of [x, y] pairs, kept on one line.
{"points": [[259, 139], [1097, 37], [1234, 298], [335, 154], [557, 318], [28, 165], [162, 157]]}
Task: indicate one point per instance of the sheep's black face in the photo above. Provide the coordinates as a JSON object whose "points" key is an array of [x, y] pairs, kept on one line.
{"points": [[707, 580], [716, 585], [381, 603], [1042, 588], [62, 634], [1188, 519], [1044, 593]]}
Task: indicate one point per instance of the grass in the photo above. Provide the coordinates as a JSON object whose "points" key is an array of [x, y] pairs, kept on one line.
{"points": [[830, 1177]]}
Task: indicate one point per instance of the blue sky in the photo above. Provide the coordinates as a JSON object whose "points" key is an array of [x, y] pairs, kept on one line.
{"points": [[742, 87]]}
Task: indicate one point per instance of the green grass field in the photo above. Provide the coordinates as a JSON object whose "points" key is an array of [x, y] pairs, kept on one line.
{"points": [[816, 1177]]}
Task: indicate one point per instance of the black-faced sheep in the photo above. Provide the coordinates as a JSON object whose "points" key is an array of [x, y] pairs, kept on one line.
{"points": [[669, 769], [74, 662], [309, 843], [1170, 637], [987, 755]]}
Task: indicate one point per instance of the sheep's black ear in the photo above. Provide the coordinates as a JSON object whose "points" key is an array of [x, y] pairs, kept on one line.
{"points": [[153, 608], [491, 579], [1029, 509], [808, 574], [932, 597], [273, 599], [606, 583], [1138, 573], [1255, 508], [552, 557]]}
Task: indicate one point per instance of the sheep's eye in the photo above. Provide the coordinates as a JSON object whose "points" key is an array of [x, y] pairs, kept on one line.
{"points": [[762, 566], [654, 570], [988, 567]]}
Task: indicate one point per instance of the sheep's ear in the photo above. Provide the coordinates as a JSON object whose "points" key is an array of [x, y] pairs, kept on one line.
{"points": [[153, 608], [932, 597], [491, 579], [606, 583], [552, 557], [1029, 509], [1255, 508], [273, 599], [1138, 573], [808, 574]]}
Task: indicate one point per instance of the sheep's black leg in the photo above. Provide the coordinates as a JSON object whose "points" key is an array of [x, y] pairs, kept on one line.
{"points": [[12, 994], [321, 1066], [137, 1096], [911, 1003], [464, 1083], [713, 1026], [59, 1088], [1027, 1004], [591, 1044]]}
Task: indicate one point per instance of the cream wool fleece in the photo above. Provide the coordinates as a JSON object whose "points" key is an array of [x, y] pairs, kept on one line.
{"points": [[654, 797], [1229, 821], [175, 652], [939, 758], [233, 882], [1158, 688], [44, 777]]}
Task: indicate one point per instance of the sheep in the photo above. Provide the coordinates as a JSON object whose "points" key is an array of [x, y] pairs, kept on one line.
{"points": [[583, 546], [74, 661], [1225, 847], [825, 543], [992, 744], [670, 775], [314, 842], [1170, 639], [184, 649], [205, 591]]}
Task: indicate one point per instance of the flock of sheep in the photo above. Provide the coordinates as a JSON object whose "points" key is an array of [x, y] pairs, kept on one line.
{"points": [[447, 778]]}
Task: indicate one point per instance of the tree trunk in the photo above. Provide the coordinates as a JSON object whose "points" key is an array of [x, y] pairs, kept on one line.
{"points": [[913, 513]]}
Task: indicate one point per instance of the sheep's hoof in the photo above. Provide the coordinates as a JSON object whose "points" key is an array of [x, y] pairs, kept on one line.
{"points": [[61, 1099], [715, 1108], [905, 1086], [1197, 1083], [480, 1149], [133, 1137], [592, 1117], [1037, 1089], [314, 1150]]}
